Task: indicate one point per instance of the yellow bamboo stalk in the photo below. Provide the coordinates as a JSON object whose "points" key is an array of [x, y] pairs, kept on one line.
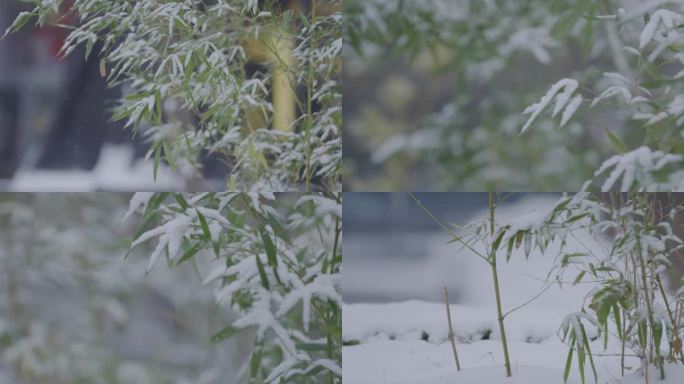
{"points": [[274, 46]]}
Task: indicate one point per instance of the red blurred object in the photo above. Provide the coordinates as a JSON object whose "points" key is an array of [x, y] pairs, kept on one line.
{"points": [[55, 35]]}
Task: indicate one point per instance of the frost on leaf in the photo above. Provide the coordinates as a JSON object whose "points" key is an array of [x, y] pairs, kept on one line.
{"points": [[170, 238], [323, 286], [616, 90], [265, 290], [562, 93], [674, 109], [570, 109], [139, 199], [638, 170], [668, 19]]}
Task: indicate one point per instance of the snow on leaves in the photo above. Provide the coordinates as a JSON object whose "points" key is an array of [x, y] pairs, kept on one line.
{"points": [[638, 170], [193, 56], [275, 263], [663, 20], [323, 286], [562, 92]]}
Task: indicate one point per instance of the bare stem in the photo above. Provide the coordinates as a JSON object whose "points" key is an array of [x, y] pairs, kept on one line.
{"points": [[447, 230], [451, 332]]}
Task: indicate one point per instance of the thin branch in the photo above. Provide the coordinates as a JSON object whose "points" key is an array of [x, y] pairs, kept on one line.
{"points": [[447, 230], [535, 297]]}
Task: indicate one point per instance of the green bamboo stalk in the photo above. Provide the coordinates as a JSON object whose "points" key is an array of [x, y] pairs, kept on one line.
{"points": [[497, 293], [649, 307]]}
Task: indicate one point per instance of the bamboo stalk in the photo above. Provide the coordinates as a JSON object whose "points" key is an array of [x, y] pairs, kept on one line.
{"points": [[649, 307], [451, 332], [497, 292]]}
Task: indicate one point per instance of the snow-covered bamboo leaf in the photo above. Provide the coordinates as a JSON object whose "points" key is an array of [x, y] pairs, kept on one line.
{"points": [[561, 92]]}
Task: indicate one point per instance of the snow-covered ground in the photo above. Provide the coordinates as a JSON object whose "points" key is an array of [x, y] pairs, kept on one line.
{"points": [[407, 343], [400, 340], [116, 170]]}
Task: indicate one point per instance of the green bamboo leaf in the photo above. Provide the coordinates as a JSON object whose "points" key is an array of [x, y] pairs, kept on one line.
{"points": [[270, 248], [616, 316], [181, 200], [159, 104], [157, 158], [262, 273], [577, 217], [168, 155], [568, 362], [224, 334], [616, 143], [19, 22], [585, 340], [580, 362], [657, 334], [278, 228], [592, 269], [192, 251], [641, 331], [519, 236], [559, 208], [578, 278], [497, 241], [255, 364], [528, 245], [203, 224]]}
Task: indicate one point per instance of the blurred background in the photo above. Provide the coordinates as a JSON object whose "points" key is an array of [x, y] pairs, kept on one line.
{"points": [[74, 310], [395, 252], [55, 128], [434, 92]]}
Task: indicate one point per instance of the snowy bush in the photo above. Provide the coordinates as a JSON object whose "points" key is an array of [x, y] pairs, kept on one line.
{"points": [[623, 246], [550, 95], [630, 300], [274, 260], [188, 57]]}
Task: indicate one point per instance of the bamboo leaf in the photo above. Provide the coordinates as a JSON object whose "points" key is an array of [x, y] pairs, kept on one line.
{"points": [[585, 340], [262, 273], [224, 334], [580, 362], [497, 241], [616, 317], [270, 248], [255, 364], [181, 200], [616, 143], [509, 251], [157, 158], [568, 362], [19, 22], [168, 155], [192, 251]]}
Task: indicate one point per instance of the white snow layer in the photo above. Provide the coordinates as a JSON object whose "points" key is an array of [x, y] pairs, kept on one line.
{"points": [[392, 347], [115, 171]]}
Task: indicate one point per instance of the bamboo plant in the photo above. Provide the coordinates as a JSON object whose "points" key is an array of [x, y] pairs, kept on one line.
{"points": [[630, 301], [191, 57], [488, 240]]}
